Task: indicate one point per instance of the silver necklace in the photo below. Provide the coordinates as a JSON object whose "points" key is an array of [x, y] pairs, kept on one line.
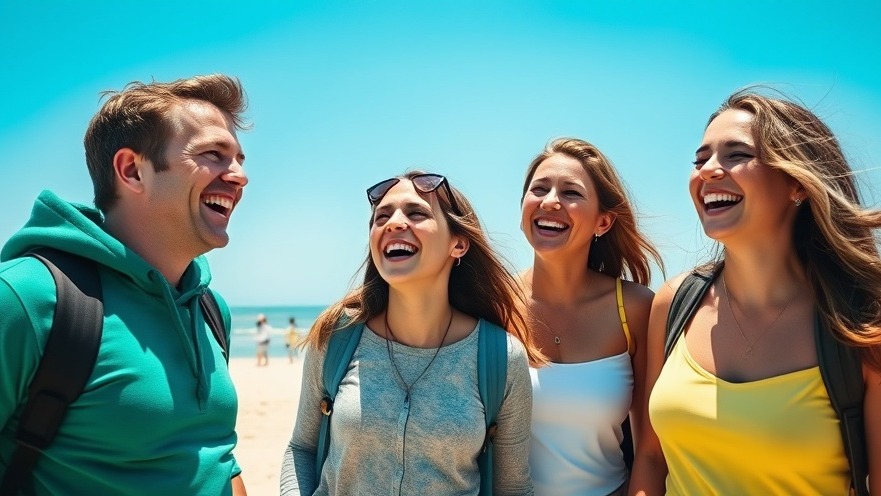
{"points": [[750, 346], [391, 355]]}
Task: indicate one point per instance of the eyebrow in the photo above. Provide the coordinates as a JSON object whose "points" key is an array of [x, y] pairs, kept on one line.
{"points": [[727, 144], [565, 183], [227, 146], [408, 205]]}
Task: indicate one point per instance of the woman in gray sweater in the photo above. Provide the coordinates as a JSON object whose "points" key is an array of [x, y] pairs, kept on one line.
{"points": [[408, 416]]}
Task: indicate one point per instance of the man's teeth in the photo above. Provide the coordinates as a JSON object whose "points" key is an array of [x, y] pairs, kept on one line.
{"points": [[720, 197], [551, 224], [217, 200], [400, 246]]}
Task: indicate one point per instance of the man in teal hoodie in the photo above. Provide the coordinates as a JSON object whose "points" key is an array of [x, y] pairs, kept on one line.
{"points": [[157, 415]]}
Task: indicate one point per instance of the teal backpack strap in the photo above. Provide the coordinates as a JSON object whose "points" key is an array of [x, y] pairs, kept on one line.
{"points": [[842, 372], [685, 303], [340, 349], [492, 374]]}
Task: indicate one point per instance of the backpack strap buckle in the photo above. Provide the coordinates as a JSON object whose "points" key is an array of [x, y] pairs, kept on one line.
{"points": [[326, 406], [489, 437], [45, 413]]}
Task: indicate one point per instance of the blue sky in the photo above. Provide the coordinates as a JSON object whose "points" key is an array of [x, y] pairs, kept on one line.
{"points": [[345, 94]]}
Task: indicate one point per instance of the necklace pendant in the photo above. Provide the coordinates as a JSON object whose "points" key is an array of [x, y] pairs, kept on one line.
{"points": [[557, 339]]}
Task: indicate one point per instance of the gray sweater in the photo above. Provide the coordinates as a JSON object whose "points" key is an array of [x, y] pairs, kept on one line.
{"points": [[381, 446]]}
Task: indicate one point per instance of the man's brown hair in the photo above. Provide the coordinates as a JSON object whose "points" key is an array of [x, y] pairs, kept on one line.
{"points": [[139, 117]]}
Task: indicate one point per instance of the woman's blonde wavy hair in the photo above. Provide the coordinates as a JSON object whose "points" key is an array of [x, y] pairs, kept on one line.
{"points": [[480, 286], [833, 234]]}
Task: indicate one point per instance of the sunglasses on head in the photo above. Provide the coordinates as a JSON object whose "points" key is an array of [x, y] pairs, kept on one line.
{"points": [[425, 183]]}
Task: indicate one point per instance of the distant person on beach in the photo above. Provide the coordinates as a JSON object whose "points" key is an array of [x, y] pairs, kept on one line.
{"points": [[292, 339], [741, 404], [157, 415], [408, 418], [590, 323], [263, 337]]}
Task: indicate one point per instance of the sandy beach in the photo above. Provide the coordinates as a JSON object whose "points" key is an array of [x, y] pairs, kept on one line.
{"points": [[268, 399]]}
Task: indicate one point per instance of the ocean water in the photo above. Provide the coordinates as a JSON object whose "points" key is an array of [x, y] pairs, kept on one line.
{"points": [[244, 327]]}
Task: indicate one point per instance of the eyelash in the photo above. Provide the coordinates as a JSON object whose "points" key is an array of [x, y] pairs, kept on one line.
{"points": [[409, 215], [733, 156], [540, 191]]}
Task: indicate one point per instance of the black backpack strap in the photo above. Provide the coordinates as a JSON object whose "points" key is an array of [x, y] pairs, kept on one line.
{"points": [[67, 362], [685, 303], [627, 444], [211, 312], [842, 372]]}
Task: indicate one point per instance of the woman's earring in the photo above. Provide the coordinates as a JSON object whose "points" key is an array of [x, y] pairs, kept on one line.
{"points": [[798, 202], [596, 237], [458, 261]]}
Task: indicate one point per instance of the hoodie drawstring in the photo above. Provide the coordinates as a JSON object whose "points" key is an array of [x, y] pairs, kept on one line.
{"points": [[189, 338]]}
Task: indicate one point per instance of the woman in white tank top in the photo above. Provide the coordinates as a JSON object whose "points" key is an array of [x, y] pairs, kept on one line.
{"points": [[579, 221]]}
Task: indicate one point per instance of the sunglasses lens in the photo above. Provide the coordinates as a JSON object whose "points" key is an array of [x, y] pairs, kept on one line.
{"points": [[378, 190], [427, 183]]}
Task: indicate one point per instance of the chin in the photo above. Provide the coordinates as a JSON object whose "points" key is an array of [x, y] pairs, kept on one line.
{"points": [[215, 241], [717, 233]]}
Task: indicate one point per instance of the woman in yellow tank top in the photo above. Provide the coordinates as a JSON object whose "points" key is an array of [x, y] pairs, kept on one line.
{"points": [[739, 406]]}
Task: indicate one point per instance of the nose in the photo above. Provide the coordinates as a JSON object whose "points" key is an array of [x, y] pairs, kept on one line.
{"points": [[711, 170], [551, 201], [236, 174], [396, 222]]}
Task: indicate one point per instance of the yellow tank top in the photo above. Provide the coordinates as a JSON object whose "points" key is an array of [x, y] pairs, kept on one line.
{"points": [[772, 436]]}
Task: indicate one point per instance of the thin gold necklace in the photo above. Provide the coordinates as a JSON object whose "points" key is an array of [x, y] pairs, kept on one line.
{"points": [[391, 355], [557, 339], [750, 346]]}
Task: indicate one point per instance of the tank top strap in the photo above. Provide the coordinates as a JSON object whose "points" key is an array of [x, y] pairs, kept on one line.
{"points": [[619, 296]]}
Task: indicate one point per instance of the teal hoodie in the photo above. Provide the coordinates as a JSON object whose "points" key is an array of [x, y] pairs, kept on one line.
{"points": [[157, 416]]}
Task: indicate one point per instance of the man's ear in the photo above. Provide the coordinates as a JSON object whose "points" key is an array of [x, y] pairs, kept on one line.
{"points": [[127, 169], [460, 248], [605, 222]]}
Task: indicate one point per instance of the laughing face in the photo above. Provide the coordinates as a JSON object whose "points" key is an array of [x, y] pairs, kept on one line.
{"points": [[194, 198], [733, 192], [410, 238], [561, 210]]}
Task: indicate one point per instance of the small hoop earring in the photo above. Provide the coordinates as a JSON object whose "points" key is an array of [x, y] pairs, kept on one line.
{"points": [[458, 261], [798, 202]]}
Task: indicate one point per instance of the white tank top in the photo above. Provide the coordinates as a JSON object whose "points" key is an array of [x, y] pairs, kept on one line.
{"points": [[577, 412]]}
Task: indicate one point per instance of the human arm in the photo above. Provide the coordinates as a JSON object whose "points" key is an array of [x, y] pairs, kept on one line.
{"points": [[298, 464], [27, 300], [650, 468], [238, 486], [638, 302], [872, 415], [511, 442]]}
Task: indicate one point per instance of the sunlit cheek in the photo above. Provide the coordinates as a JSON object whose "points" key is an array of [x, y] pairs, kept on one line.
{"points": [[530, 203], [694, 182]]}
